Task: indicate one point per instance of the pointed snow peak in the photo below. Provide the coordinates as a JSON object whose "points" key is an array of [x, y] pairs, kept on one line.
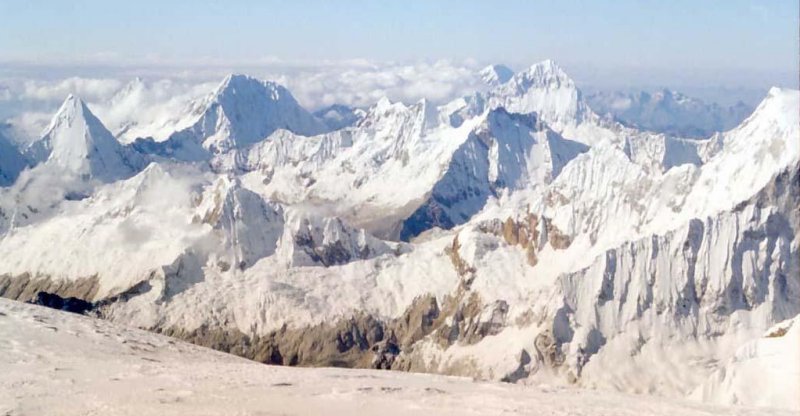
{"points": [[238, 80], [778, 111], [79, 143], [244, 110], [383, 104], [496, 74], [546, 89], [250, 88], [71, 105], [546, 73], [72, 109]]}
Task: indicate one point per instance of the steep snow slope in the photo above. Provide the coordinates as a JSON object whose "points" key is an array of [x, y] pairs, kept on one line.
{"points": [[505, 152], [546, 89], [771, 357], [78, 144], [363, 169], [495, 75], [242, 111], [12, 162], [59, 363], [119, 235], [151, 108]]}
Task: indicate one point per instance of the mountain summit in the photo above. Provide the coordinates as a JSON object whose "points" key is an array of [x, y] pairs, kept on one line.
{"points": [[77, 142], [546, 89], [244, 110], [496, 74], [241, 111]]}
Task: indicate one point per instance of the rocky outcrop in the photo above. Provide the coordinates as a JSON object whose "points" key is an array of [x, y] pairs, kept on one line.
{"points": [[26, 287], [329, 241], [529, 232], [358, 341], [69, 304]]}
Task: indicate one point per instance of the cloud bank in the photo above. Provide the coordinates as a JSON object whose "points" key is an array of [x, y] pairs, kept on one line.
{"points": [[133, 107]]}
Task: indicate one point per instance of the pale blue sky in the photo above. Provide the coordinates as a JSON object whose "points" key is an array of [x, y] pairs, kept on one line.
{"points": [[730, 41]]}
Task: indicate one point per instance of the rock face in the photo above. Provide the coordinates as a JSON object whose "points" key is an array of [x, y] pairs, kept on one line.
{"points": [[542, 242], [73, 305], [677, 281], [329, 241]]}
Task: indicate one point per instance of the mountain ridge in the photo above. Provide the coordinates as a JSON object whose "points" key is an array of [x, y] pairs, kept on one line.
{"points": [[541, 242]]}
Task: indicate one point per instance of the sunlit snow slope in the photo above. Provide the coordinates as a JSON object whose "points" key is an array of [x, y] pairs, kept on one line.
{"points": [[56, 363]]}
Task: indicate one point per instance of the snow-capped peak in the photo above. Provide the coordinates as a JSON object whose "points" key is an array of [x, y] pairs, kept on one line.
{"points": [[244, 110], [545, 73], [776, 115], [546, 89], [77, 142], [496, 74]]}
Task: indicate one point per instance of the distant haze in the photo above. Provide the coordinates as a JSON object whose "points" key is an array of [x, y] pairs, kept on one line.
{"points": [[733, 43]]}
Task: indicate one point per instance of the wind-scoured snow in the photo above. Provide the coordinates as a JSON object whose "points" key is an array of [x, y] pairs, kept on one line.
{"points": [[63, 364]]}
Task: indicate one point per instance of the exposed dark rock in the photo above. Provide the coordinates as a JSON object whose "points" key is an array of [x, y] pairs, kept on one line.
{"points": [[25, 288], [70, 304]]}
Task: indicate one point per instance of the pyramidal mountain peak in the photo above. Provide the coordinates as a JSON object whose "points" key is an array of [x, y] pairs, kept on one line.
{"points": [[240, 112], [545, 73], [78, 142], [544, 88]]}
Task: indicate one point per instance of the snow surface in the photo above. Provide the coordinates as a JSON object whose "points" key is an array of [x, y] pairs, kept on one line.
{"points": [[495, 75], [78, 144], [57, 363], [771, 357]]}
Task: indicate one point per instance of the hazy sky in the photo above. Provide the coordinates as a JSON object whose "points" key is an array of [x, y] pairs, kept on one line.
{"points": [[730, 42]]}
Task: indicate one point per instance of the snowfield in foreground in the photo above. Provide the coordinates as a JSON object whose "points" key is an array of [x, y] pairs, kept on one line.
{"points": [[56, 363]]}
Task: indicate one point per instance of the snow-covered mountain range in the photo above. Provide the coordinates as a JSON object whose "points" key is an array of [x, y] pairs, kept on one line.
{"points": [[511, 234], [669, 112]]}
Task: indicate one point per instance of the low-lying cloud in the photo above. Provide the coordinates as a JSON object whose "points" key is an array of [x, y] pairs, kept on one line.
{"points": [[136, 108]]}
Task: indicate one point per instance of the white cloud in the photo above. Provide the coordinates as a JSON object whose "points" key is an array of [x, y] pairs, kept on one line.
{"points": [[151, 108], [364, 84], [86, 88]]}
